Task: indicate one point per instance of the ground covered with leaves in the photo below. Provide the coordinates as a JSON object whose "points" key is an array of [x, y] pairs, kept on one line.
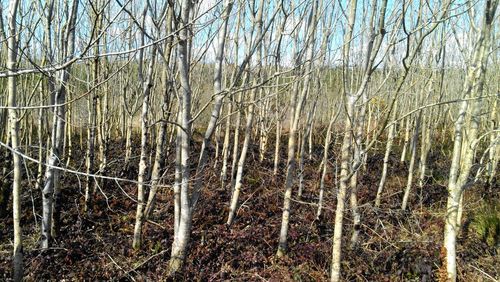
{"points": [[394, 245]]}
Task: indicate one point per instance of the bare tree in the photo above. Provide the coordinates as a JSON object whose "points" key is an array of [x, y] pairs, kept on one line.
{"points": [[159, 161], [297, 103], [143, 163], [257, 19], [464, 146], [51, 191], [182, 224], [14, 140]]}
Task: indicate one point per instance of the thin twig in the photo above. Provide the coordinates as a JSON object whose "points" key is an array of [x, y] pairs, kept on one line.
{"points": [[121, 268], [484, 273]]}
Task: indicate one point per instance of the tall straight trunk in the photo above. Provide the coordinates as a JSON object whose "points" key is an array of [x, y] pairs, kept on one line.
{"points": [[307, 133], [297, 103], [92, 119], [406, 139], [241, 163], [144, 154], [47, 198], [61, 122], [353, 197], [250, 117], [143, 162], [236, 101], [158, 166], [413, 148], [453, 199], [104, 119], [236, 139], [359, 121], [177, 176], [51, 195], [183, 219], [89, 160], [264, 126], [225, 145], [279, 125], [219, 96], [310, 141], [159, 162], [277, 146], [494, 153], [48, 190], [128, 138], [368, 131], [49, 86], [130, 112], [68, 147], [58, 152], [462, 163], [425, 147], [102, 130], [278, 111], [342, 192], [40, 120], [388, 149], [345, 152], [376, 36], [14, 139], [217, 134], [425, 131], [325, 165]]}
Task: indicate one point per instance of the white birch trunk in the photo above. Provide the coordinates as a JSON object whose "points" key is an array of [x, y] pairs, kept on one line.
{"points": [[183, 216], [14, 139], [51, 194], [159, 162], [241, 163], [461, 164], [143, 163], [388, 149], [297, 104], [342, 192], [413, 148]]}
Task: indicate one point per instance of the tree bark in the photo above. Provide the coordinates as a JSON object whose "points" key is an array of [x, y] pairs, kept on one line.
{"points": [[297, 103], [462, 163], [14, 139], [183, 219], [143, 163], [51, 195]]}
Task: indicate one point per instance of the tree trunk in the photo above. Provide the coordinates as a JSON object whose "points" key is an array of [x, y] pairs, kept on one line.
{"points": [[14, 139], [183, 219], [143, 164], [214, 117], [241, 163], [325, 165], [342, 193], [225, 145], [461, 164], [345, 153], [297, 103], [413, 148], [159, 162], [51, 195]]}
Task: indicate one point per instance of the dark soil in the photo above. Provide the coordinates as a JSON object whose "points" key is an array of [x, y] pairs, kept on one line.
{"points": [[394, 245]]}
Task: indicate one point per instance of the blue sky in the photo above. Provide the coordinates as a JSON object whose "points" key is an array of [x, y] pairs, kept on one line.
{"points": [[205, 31]]}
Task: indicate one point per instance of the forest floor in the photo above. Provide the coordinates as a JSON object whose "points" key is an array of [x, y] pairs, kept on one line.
{"points": [[394, 245]]}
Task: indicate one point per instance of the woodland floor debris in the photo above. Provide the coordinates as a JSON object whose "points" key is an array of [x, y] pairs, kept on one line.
{"points": [[395, 245]]}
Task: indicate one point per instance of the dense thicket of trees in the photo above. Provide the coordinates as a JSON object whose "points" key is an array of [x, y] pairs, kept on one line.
{"points": [[336, 81]]}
